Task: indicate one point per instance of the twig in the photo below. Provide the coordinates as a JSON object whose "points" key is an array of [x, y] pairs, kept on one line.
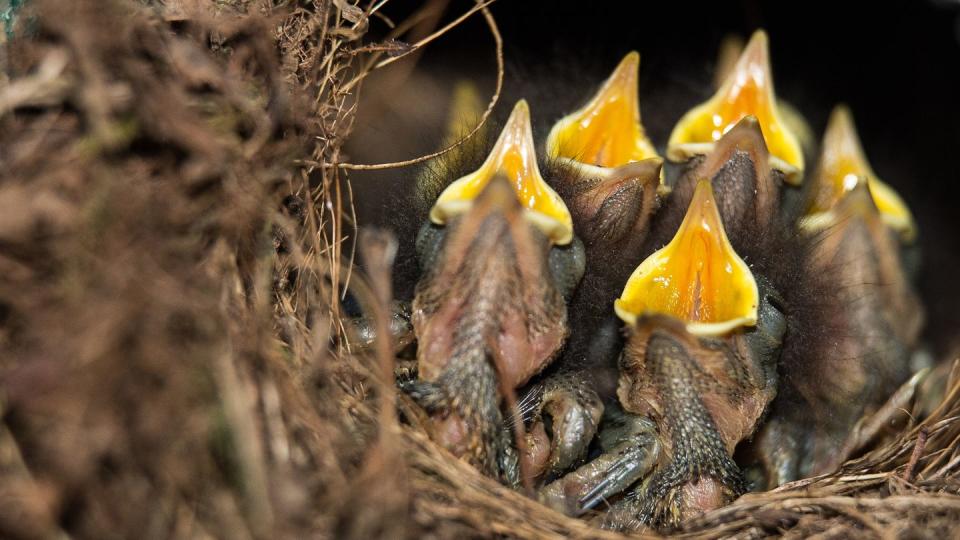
{"points": [[378, 249], [915, 456], [412, 48], [46, 88], [426, 41], [498, 40]]}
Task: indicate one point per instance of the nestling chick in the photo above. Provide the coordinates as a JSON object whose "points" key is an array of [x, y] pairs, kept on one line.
{"points": [[611, 182], [613, 189], [849, 359], [489, 310], [703, 371]]}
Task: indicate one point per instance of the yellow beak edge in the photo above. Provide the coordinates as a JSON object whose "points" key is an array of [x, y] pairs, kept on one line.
{"points": [[746, 91], [606, 133], [514, 156], [842, 166], [697, 277]]}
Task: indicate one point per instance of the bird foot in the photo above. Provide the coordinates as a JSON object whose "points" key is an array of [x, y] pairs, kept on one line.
{"points": [[567, 418], [630, 449]]}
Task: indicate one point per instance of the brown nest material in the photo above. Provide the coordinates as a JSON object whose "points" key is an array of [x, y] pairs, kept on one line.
{"points": [[172, 361]]}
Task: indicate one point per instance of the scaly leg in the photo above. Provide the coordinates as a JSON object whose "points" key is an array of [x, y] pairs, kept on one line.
{"points": [[630, 450]]}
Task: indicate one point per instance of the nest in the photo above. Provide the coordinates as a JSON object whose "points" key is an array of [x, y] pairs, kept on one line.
{"points": [[174, 211]]}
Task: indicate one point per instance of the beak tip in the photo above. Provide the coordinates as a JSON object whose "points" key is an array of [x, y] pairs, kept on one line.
{"points": [[520, 112], [759, 42], [842, 123], [702, 126]]}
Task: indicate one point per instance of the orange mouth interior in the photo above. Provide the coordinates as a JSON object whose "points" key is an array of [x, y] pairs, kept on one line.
{"points": [[513, 156], [747, 91], [843, 163], [697, 278], [607, 131]]}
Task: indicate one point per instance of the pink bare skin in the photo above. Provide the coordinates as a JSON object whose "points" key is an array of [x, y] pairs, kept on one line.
{"points": [[487, 317]]}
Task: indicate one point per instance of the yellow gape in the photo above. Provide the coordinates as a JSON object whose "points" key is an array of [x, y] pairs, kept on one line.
{"points": [[606, 132], [842, 164], [746, 91], [514, 156], [697, 278]]}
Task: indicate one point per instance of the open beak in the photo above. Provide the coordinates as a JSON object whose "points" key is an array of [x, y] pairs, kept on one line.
{"points": [[514, 157], [731, 47], [746, 91], [486, 321], [697, 278], [606, 133], [842, 164]]}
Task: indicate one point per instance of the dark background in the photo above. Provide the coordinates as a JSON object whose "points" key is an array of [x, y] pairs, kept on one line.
{"points": [[896, 64]]}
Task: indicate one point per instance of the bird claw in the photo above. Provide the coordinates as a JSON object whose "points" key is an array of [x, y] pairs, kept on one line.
{"points": [[404, 372], [569, 413], [630, 450], [624, 471]]}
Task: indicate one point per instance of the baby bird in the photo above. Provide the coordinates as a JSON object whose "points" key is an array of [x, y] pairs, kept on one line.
{"points": [[862, 317], [498, 257], [770, 309], [614, 185], [704, 336], [611, 182]]}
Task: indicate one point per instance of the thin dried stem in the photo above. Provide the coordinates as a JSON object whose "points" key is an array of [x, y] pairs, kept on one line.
{"points": [[498, 41]]}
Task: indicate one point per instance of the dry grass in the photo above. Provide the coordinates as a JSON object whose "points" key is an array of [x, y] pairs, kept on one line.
{"points": [[173, 220]]}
